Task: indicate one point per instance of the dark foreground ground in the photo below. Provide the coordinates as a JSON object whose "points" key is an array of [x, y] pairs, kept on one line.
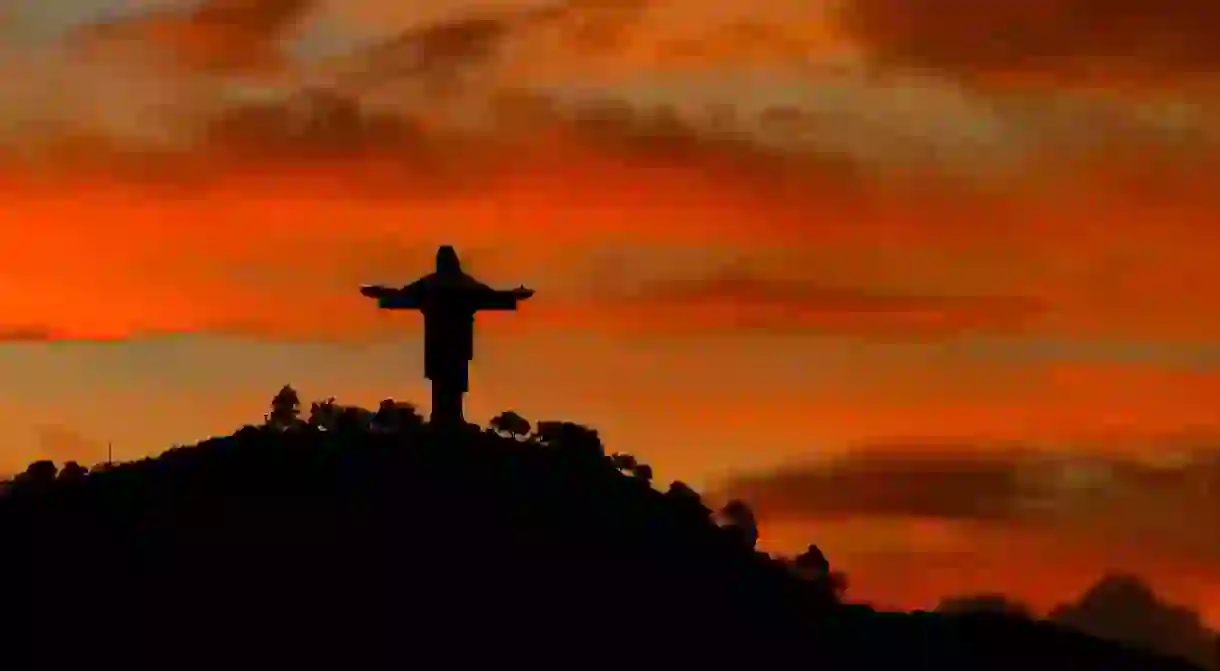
{"points": [[350, 550]]}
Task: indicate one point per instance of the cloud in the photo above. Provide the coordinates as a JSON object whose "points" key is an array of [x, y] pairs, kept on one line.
{"points": [[56, 99], [318, 176], [215, 36], [360, 146], [919, 481], [312, 124], [925, 123], [1124, 608], [339, 185], [1114, 502], [332, 174], [11, 334], [1053, 41], [748, 299], [437, 54], [440, 56], [803, 43], [597, 26], [525, 126]]}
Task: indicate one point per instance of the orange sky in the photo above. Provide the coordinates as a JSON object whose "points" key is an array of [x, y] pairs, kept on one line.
{"points": [[928, 253]]}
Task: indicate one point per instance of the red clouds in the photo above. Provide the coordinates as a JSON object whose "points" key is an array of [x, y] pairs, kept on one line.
{"points": [[1066, 42]]}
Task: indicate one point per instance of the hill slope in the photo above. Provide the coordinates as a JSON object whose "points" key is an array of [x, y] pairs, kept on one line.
{"points": [[355, 550]]}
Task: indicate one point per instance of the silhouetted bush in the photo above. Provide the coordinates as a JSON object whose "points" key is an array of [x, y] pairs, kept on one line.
{"points": [[38, 476], [396, 416], [813, 567], [687, 501], [628, 464], [285, 410], [72, 473], [353, 419], [580, 442], [323, 415], [1124, 608], [509, 423], [623, 462], [739, 520]]}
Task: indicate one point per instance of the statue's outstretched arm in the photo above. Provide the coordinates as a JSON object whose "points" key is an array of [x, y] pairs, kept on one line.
{"points": [[376, 291], [409, 297], [504, 300]]}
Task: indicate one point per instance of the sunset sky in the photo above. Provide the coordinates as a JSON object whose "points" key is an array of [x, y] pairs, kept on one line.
{"points": [[934, 283]]}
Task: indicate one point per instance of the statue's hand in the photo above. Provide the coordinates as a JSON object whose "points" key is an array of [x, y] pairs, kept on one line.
{"points": [[521, 293], [374, 291]]}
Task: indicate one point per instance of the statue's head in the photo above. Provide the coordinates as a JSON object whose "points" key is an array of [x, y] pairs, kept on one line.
{"points": [[447, 260]]}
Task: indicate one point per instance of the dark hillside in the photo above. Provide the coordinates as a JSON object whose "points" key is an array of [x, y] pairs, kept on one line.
{"points": [[351, 549]]}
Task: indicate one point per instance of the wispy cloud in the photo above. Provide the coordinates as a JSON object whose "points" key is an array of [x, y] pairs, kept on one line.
{"points": [[734, 298], [215, 36], [1102, 501], [1056, 42], [24, 334]]}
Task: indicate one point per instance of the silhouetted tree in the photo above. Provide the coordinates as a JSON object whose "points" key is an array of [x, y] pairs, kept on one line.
{"points": [[42, 471], [687, 500], [72, 472], [38, 476], [623, 462], [836, 584], [739, 519], [628, 464], [546, 432], [1122, 607], [322, 415], [396, 416], [353, 419], [509, 423], [812, 563], [576, 440], [813, 567], [285, 409]]}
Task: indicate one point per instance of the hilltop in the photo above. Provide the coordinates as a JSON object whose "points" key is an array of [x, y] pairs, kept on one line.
{"points": [[371, 544]]}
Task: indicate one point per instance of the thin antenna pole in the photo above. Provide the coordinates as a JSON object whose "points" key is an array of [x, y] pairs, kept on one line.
{"points": [[109, 453]]}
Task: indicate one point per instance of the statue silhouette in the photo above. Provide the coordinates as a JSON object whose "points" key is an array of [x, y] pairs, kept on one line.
{"points": [[448, 299]]}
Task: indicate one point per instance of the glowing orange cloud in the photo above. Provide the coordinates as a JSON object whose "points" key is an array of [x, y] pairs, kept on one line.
{"points": [[317, 188], [517, 43], [247, 241], [1057, 42], [225, 36]]}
